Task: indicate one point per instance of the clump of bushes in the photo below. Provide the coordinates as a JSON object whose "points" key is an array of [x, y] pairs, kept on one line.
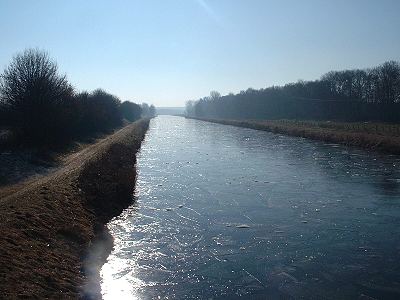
{"points": [[42, 108], [131, 111], [98, 111], [3, 116], [148, 111]]}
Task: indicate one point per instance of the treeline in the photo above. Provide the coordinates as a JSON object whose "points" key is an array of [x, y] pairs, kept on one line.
{"points": [[41, 107], [350, 95]]}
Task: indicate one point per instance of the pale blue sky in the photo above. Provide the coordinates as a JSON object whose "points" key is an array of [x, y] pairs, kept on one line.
{"points": [[168, 51]]}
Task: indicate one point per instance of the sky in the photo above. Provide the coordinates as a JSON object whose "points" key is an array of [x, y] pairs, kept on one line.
{"points": [[166, 52]]}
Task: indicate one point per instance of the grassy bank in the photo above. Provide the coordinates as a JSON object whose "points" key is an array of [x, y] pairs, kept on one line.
{"points": [[48, 226], [373, 136]]}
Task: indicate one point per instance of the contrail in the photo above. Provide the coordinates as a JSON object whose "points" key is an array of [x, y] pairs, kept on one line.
{"points": [[210, 12]]}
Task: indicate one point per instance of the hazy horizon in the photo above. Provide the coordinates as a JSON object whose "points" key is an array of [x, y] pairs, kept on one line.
{"points": [[168, 52]]}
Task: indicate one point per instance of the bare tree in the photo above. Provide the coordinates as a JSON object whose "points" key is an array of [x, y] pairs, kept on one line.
{"points": [[350, 95], [214, 95], [389, 82], [35, 96]]}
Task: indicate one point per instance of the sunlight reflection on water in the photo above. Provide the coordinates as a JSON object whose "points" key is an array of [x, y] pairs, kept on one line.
{"points": [[225, 213]]}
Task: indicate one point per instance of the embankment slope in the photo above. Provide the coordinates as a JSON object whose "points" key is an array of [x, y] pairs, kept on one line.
{"points": [[47, 226]]}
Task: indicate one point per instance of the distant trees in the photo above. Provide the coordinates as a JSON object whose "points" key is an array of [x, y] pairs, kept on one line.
{"points": [[214, 95], [189, 109], [131, 111], [42, 108], [388, 82], [350, 95], [148, 111], [376, 85]]}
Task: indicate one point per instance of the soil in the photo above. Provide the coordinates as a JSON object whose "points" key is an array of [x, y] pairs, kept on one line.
{"points": [[49, 224]]}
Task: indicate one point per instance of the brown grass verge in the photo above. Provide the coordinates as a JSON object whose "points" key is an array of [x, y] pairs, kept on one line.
{"points": [[341, 134], [47, 226]]}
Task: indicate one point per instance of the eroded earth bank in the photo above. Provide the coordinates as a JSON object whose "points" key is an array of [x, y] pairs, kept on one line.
{"points": [[48, 226]]}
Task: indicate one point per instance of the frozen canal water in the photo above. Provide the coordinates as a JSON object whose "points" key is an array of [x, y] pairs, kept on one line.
{"points": [[223, 212]]}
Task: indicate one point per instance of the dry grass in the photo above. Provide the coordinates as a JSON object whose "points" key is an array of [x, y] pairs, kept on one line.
{"points": [[384, 129], [47, 225]]}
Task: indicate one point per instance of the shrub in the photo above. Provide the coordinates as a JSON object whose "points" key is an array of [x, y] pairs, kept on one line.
{"points": [[3, 116], [131, 111], [97, 111]]}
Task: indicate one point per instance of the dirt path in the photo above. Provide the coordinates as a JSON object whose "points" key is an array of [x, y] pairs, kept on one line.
{"points": [[22, 167], [69, 162], [48, 223]]}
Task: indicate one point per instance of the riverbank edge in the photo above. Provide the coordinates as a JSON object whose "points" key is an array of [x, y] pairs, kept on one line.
{"points": [[373, 142], [48, 228]]}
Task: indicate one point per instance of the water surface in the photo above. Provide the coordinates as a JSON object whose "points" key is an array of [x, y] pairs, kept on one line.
{"points": [[223, 212]]}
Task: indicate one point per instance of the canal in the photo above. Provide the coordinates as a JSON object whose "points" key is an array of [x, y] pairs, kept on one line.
{"points": [[223, 212]]}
